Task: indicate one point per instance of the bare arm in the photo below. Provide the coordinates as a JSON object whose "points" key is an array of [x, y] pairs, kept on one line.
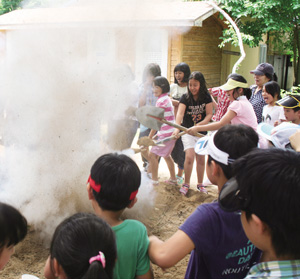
{"points": [[167, 254], [226, 119], [152, 133], [175, 103], [179, 117]]}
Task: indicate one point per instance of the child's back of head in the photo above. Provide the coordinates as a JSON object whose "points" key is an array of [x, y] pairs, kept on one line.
{"points": [[13, 229], [115, 179], [236, 141], [268, 185], [84, 246]]}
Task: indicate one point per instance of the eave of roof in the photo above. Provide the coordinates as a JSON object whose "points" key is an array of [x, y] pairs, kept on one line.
{"points": [[113, 14]]}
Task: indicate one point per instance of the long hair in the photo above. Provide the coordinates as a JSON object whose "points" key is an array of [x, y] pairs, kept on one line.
{"points": [[203, 92]]}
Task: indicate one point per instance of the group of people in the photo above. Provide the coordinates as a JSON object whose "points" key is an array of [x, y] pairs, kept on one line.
{"points": [[251, 231], [189, 103]]}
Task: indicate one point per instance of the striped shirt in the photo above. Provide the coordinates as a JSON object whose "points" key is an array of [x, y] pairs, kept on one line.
{"points": [[275, 269], [223, 103], [164, 102]]}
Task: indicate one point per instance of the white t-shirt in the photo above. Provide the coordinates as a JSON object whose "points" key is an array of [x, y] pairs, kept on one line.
{"points": [[176, 91], [272, 113]]}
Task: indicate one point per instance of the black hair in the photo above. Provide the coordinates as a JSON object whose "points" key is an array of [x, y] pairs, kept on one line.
{"points": [[270, 179], [271, 76], [246, 91], [118, 176], [298, 98], [236, 141], [272, 88], [182, 67], [13, 226], [151, 69], [163, 83], [203, 92], [79, 238]]}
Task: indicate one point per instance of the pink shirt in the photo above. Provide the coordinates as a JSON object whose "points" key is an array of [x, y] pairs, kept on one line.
{"points": [[244, 112], [165, 102]]}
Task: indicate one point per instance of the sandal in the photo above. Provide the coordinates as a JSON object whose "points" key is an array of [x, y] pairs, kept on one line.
{"points": [[155, 182], [171, 182], [184, 189], [201, 188]]}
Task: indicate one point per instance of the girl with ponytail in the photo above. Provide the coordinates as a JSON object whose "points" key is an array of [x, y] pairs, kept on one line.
{"points": [[83, 247]]}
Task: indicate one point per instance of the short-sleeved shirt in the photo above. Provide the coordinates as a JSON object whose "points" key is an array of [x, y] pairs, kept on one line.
{"points": [[132, 250], [177, 91], [195, 111], [222, 249], [258, 102], [275, 269], [165, 102], [223, 103], [244, 112], [271, 114]]}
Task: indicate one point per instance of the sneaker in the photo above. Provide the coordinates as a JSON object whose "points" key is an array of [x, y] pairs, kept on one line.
{"points": [[184, 189], [179, 179], [201, 188], [171, 182]]}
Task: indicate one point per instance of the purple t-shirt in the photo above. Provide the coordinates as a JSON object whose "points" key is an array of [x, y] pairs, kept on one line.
{"points": [[222, 249]]}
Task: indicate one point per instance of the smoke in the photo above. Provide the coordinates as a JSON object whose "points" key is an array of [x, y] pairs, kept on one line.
{"points": [[64, 93]]}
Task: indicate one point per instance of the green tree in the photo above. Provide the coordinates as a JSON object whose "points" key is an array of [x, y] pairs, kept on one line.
{"points": [[279, 19], [8, 5]]}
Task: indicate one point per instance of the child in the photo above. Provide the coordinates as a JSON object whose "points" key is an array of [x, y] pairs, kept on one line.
{"points": [[195, 107], [146, 97], [177, 89], [271, 113], [214, 238], [291, 106], [112, 187], [161, 88], [13, 230], [83, 246], [240, 110], [266, 189], [278, 136]]}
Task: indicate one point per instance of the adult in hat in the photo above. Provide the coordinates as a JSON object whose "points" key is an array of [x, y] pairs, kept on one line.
{"points": [[263, 73]]}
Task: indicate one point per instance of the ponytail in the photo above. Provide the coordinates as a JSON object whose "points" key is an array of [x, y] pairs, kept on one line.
{"points": [[247, 92], [96, 271]]}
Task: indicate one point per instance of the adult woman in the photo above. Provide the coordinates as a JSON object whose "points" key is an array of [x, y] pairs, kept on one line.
{"points": [[263, 73]]}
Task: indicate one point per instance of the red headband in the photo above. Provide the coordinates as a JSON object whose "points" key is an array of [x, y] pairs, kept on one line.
{"points": [[97, 188]]}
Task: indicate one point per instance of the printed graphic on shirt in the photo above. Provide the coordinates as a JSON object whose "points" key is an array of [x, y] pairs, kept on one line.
{"points": [[196, 112], [243, 256]]}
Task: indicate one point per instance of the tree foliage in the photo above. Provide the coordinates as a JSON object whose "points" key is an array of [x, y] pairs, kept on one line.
{"points": [[279, 19], [8, 5]]}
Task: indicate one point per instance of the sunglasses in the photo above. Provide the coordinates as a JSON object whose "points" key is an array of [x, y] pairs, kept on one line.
{"points": [[230, 197]]}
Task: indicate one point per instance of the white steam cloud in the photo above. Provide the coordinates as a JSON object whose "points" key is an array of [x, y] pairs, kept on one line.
{"points": [[62, 92]]}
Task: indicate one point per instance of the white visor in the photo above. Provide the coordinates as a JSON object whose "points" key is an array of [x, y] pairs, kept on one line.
{"points": [[206, 146]]}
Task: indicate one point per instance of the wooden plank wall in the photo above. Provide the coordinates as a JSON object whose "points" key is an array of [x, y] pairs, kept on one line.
{"points": [[199, 49]]}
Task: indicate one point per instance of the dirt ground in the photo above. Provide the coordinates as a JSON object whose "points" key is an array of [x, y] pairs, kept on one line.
{"points": [[168, 213]]}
